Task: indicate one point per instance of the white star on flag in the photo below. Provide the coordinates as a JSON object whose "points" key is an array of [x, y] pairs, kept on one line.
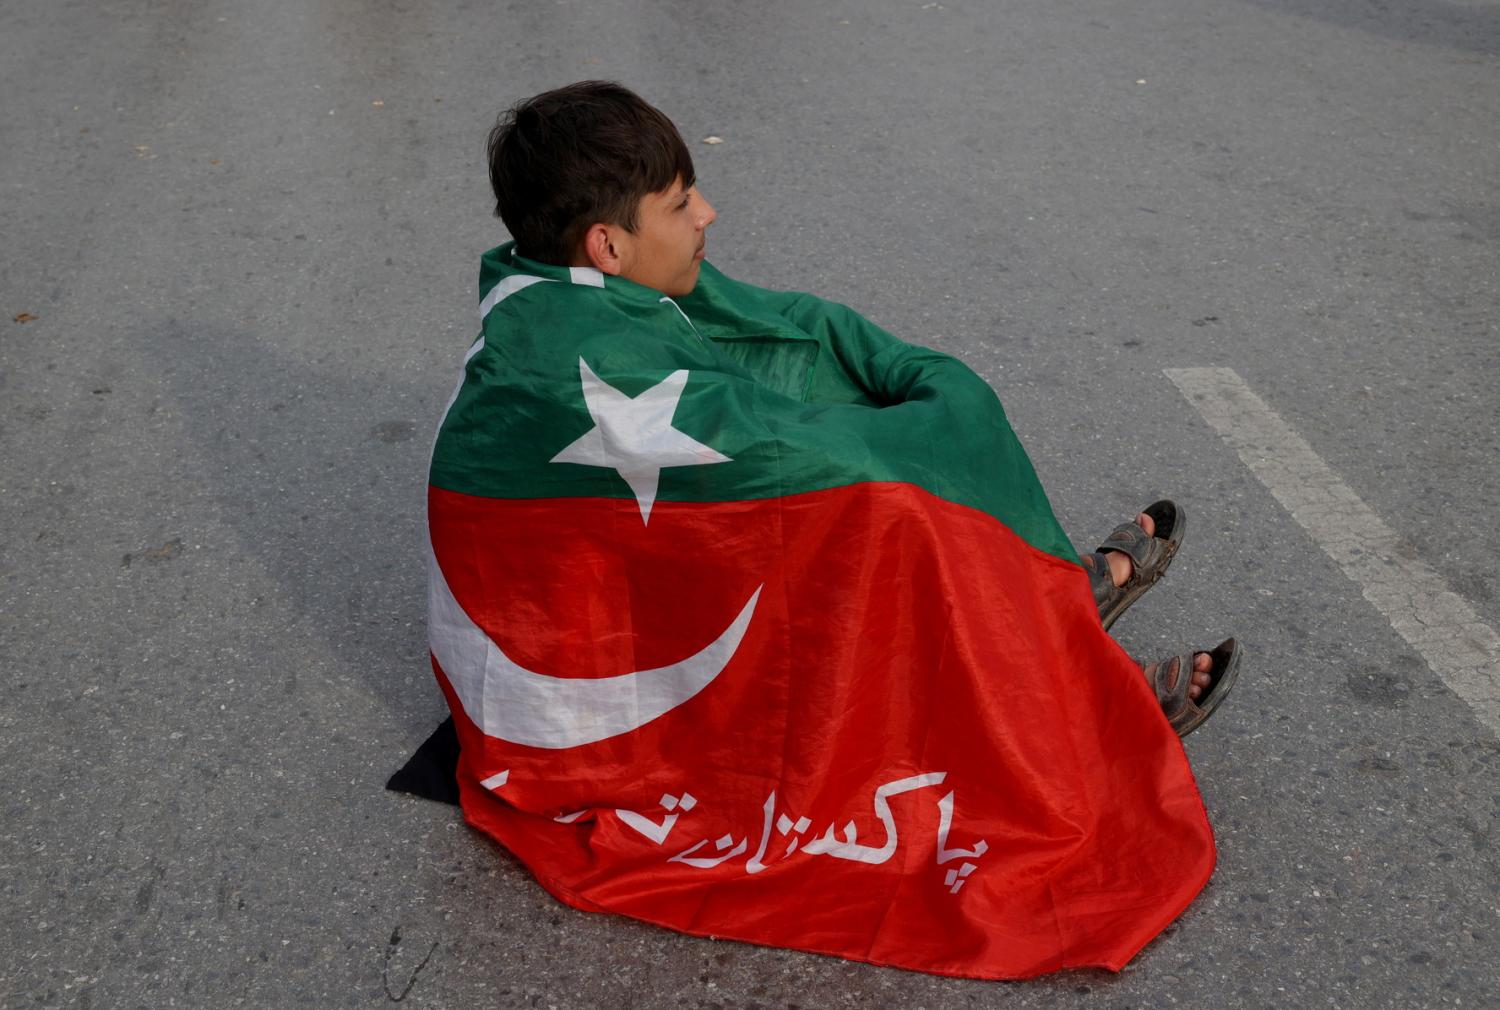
{"points": [[634, 435]]}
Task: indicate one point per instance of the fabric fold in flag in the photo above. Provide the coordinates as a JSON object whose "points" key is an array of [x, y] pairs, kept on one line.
{"points": [[756, 623]]}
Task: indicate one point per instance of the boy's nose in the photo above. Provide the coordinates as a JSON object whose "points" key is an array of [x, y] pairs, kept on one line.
{"points": [[706, 214]]}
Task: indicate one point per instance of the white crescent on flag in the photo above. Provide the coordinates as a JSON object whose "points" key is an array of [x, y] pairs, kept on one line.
{"points": [[507, 701]]}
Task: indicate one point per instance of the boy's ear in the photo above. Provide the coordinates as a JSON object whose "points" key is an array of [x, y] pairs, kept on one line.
{"points": [[598, 248]]}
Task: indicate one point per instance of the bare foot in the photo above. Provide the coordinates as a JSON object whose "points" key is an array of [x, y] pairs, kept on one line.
{"points": [[1133, 558], [1203, 667]]}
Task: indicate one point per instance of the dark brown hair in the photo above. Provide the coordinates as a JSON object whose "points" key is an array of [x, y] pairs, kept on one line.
{"points": [[578, 155]]}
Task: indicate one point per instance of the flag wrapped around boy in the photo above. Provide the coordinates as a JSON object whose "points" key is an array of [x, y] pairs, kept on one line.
{"points": [[756, 623]]}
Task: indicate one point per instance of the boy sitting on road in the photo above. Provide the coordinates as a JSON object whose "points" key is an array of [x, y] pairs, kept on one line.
{"points": [[712, 566]]}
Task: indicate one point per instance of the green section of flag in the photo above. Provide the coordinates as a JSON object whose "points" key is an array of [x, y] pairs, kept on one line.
{"points": [[800, 393]]}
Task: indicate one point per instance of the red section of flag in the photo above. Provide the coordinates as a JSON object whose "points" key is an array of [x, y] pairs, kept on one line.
{"points": [[925, 752]]}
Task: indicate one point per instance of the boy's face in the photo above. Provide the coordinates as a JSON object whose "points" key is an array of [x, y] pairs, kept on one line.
{"points": [[668, 242]]}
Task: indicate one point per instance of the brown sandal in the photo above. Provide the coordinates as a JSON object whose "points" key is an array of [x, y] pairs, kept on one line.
{"points": [[1171, 684], [1149, 557]]}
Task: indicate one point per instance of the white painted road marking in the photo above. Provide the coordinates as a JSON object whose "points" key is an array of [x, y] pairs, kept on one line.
{"points": [[1437, 622]]}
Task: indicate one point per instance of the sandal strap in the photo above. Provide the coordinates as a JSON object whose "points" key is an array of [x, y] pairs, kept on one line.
{"points": [[1146, 552], [1170, 679], [1097, 565]]}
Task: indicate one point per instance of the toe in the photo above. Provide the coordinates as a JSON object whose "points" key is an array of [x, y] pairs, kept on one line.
{"points": [[1146, 523], [1202, 675]]}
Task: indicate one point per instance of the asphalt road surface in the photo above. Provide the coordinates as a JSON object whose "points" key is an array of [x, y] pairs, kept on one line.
{"points": [[237, 278]]}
